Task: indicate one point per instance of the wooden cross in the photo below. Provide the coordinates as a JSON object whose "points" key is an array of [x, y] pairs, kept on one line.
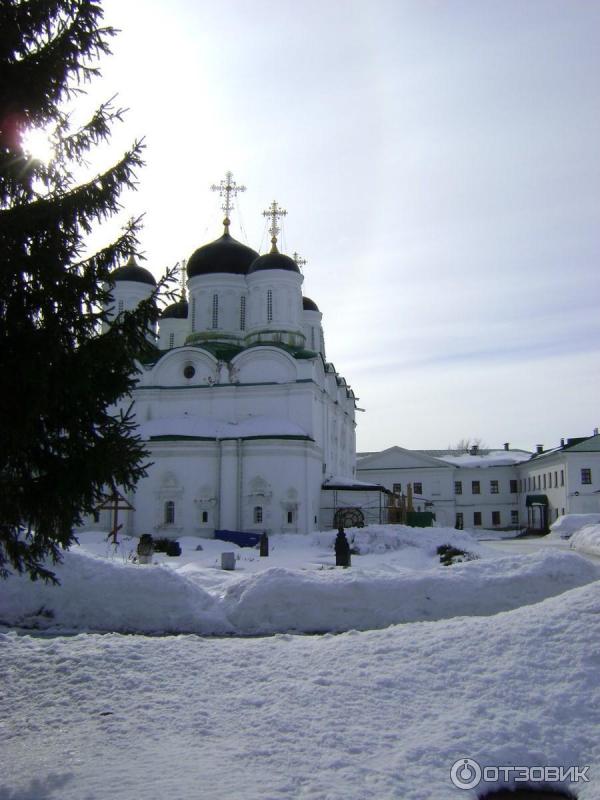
{"points": [[115, 502]]}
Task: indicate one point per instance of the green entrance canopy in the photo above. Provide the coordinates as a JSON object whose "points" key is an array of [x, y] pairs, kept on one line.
{"points": [[536, 500]]}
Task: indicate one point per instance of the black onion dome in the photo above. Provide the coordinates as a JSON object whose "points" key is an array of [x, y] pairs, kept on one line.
{"points": [[274, 261], [225, 255], [309, 305], [177, 310], [132, 272]]}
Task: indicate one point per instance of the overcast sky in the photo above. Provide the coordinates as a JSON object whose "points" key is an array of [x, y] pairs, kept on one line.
{"points": [[440, 165]]}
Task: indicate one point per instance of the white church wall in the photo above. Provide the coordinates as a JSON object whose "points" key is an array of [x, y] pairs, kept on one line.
{"points": [[274, 302], [313, 331], [221, 484], [186, 366], [172, 333], [222, 314], [175, 477], [126, 295], [267, 364]]}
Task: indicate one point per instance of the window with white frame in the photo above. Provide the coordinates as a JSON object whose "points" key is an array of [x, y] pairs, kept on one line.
{"points": [[494, 487], [457, 487], [514, 517], [586, 476], [258, 515]]}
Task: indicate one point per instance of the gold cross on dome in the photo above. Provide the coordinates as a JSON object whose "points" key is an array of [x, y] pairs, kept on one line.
{"points": [[300, 262], [227, 188], [274, 212]]}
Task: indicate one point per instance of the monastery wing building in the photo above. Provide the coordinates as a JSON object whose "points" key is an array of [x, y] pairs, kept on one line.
{"points": [[246, 421]]}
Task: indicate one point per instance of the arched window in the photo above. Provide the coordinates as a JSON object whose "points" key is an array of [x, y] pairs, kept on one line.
{"points": [[269, 305], [205, 516], [215, 311], [258, 514], [169, 512], [243, 314], [193, 313], [171, 341]]}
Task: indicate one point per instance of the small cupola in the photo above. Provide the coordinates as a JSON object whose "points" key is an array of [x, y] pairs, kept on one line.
{"points": [[133, 273]]}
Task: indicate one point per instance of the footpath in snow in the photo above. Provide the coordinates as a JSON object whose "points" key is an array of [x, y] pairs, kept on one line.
{"points": [[396, 578]]}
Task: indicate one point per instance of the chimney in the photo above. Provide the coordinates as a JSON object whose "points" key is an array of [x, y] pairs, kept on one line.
{"points": [[539, 448], [507, 445], [562, 442], [595, 432], [474, 451]]}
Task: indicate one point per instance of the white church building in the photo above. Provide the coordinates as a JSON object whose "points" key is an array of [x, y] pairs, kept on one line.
{"points": [[246, 422]]}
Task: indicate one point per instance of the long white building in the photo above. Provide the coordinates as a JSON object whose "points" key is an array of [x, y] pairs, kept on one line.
{"points": [[484, 488]]}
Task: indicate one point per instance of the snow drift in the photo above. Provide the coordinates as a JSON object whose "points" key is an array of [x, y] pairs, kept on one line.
{"points": [[102, 595]]}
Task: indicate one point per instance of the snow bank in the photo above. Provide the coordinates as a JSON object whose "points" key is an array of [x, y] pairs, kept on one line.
{"points": [[382, 538], [103, 595], [280, 600], [586, 540], [565, 526]]}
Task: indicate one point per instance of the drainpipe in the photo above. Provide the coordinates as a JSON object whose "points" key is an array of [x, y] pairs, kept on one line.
{"points": [[219, 459], [240, 476]]}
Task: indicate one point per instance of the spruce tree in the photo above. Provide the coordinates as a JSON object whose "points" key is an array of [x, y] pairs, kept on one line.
{"points": [[60, 445]]}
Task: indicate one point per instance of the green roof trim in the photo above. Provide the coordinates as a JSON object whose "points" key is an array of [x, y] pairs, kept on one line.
{"points": [[178, 438]]}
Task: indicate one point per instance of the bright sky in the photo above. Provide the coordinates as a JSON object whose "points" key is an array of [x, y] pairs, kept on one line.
{"points": [[440, 165]]}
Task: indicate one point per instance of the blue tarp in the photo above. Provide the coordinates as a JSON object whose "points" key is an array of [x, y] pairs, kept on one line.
{"points": [[241, 538]]}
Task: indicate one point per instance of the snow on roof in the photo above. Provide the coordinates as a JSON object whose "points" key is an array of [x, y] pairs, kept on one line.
{"points": [[487, 458], [210, 428], [349, 483]]}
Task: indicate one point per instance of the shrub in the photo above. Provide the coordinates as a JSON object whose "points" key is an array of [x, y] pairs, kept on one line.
{"points": [[169, 547], [453, 555]]}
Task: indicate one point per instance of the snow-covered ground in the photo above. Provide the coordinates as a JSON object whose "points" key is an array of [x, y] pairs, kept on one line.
{"points": [[509, 680], [396, 578]]}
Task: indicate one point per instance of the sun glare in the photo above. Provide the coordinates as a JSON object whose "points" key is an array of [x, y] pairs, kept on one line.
{"points": [[36, 143]]}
